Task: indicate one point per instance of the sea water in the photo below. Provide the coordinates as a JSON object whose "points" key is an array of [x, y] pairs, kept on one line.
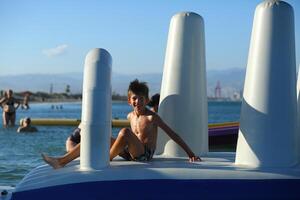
{"points": [[20, 152]]}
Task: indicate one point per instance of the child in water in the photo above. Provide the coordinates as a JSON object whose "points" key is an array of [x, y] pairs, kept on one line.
{"points": [[25, 126]]}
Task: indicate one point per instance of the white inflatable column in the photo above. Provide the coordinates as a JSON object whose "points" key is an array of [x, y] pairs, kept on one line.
{"points": [[298, 115], [96, 110], [183, 100], [298, 83], [267, 135]]}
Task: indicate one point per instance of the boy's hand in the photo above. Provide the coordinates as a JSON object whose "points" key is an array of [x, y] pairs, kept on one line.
{"points": [[195, 158]]}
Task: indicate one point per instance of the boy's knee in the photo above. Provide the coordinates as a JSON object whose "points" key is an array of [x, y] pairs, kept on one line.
{"points": [[124, 133]]}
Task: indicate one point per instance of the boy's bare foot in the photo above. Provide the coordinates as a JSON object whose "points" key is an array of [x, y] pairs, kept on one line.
{"points": [[53, 162]]}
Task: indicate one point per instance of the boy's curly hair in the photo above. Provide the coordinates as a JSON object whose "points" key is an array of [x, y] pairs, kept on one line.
{"points": [[138, 88]]}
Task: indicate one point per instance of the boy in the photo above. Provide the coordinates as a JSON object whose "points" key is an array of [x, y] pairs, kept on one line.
{"points": [[75, 137], [137, 143]]}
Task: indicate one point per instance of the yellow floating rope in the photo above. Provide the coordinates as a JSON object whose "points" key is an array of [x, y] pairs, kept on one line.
{"points": [[118, 123]]}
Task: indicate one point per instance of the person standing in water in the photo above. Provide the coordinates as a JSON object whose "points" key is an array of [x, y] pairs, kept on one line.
{"points": [[9, 105]]}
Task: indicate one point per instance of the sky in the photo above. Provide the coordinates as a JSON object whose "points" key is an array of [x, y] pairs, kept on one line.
{"points": [[54, 36]]}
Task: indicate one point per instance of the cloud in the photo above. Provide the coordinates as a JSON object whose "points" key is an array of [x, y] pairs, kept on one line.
{"points": [[56, 51]]}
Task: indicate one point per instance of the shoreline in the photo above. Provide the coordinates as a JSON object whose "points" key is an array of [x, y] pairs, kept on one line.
{"points": [[55, 101], [65, 101]]}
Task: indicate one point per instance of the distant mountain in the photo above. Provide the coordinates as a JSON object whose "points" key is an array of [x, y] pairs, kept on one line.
{"points": [[231, 81], [42, 82]]}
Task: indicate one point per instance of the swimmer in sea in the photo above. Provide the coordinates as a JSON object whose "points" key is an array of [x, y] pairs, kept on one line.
{"points": [[26, 126]]}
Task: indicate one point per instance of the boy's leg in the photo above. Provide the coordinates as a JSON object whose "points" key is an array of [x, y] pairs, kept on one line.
{"points": [[59, 162], [126, 138]]}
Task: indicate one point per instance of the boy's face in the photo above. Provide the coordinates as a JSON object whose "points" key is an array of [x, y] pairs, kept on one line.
{"points": [[138, 102]]}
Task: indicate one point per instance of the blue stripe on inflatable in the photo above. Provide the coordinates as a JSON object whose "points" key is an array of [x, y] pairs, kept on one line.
{"points": [[169, 189]]}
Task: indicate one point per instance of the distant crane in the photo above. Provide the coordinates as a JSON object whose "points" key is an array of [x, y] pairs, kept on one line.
{"points": [[51, 89], [218, 90]]}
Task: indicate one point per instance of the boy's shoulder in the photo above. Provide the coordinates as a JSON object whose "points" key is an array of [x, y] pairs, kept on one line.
{"points": [[147, 114], [129, 115], [152, 115]]}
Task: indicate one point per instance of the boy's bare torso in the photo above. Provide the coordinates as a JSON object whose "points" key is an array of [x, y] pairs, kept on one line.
{"points": [[144, 127]]}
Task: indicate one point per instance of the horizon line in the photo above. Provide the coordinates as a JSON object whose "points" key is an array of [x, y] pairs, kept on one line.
{"points": [[118, 73]]}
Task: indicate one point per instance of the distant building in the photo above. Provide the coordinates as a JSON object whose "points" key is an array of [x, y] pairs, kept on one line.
{"points": [[218, 91], [236, 96]]}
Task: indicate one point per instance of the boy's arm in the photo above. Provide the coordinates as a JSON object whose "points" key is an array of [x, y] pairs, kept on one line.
{"points": [[161, 124]]}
